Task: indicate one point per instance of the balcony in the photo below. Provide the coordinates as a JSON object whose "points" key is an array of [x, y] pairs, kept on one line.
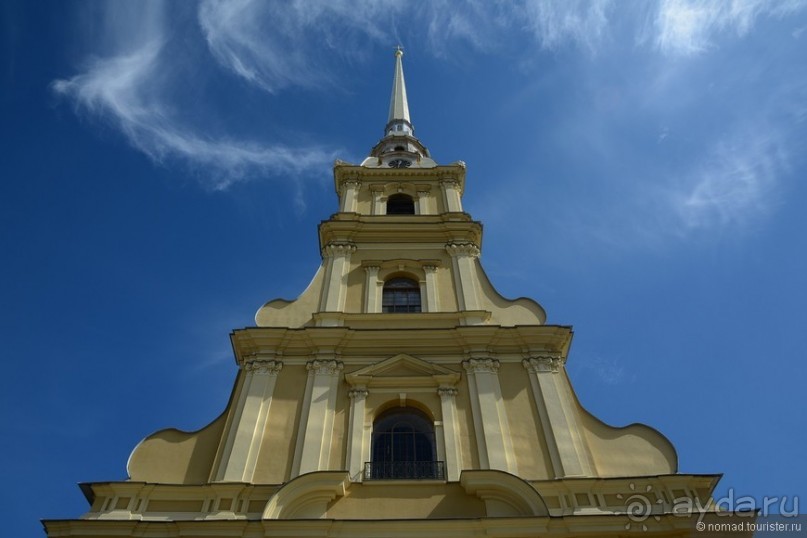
{"points": [[404, 470]]}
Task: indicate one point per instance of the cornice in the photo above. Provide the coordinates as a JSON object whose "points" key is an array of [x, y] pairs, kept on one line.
{"points": [[392, 187], [598, 524], [428, 264], [609, 493], [447, 217], [343, 171], [373, 321], [391, 230], [507, 344]]}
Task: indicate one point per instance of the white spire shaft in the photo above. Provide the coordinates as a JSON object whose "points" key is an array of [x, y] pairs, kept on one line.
{"points": [[398, 105]]}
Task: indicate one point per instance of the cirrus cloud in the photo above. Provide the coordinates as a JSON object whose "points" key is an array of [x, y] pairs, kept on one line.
{"points": [[130, 91]]}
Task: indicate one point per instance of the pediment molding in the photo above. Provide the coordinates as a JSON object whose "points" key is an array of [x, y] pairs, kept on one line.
{"points": [[403, 371]]}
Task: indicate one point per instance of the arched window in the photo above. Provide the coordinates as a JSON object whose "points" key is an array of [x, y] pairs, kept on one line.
{"points": [[400, 204], [403, 446], [400, 295]]}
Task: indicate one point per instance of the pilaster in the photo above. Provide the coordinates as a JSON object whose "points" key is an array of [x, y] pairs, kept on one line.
{"points": [[337, 255], [557, 409], [432, 302], [451, 194], [448, 403], [354, 460], [378, 203], [245, 435], [423, 203], [490, 418], [372, 291], [463, 258], [316, 423], [349, 195]]}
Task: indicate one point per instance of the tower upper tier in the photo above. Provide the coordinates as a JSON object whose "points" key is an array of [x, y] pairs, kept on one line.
{"points": [[400, 226]]}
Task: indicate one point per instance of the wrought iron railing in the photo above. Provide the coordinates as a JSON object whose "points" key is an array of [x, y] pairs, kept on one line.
{"points": [[397, 470]]}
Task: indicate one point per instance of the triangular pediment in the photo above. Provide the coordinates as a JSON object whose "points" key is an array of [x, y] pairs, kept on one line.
{"points": [[403, 369]]}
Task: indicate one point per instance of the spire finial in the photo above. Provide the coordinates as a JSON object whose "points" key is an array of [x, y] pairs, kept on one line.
{"points": [[398, 51]]}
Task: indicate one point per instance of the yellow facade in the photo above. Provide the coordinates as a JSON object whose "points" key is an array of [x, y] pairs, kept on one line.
{"points": [[400, 395]]}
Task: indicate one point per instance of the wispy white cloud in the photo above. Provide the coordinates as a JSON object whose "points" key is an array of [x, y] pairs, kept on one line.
{"points": [[729, 185], [736, 182], [130, 90], [276, 46], [291, 44], [556, 22], [213, 358], [605, 370], [690, 26]]}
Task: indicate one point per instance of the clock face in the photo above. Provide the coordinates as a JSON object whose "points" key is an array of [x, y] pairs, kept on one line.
{"points": [[400, 163]]}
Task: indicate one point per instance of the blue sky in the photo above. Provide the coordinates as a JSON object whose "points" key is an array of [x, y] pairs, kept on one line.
{"points": [[638, 166]]}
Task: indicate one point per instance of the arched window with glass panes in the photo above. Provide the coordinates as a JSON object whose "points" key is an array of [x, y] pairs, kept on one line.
{"points": [[401, 295], [403, 447]]}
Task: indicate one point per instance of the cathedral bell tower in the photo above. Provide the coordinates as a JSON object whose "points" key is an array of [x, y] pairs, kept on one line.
{"points": [[399, 392]]}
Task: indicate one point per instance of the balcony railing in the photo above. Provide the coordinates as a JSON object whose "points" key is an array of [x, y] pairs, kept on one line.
{"points": [[401, 470]]}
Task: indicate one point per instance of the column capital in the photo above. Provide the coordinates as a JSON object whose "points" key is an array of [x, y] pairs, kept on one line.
{"points": [[324, 367], [257, 365], [372, 269], [358, 393], [339, 248], [462, 249], [349, 182], [447, 392], [543, 364], [429, 268], [449, 181], [486, 365]]}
